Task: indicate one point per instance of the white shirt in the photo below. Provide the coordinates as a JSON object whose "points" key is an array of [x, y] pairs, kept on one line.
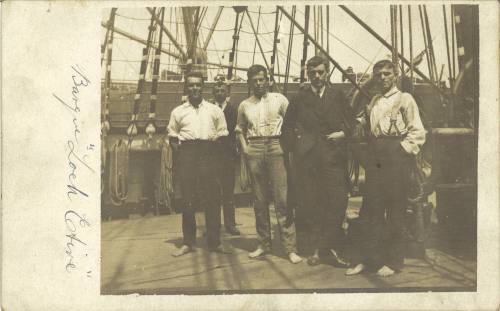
{"points": [[408, 121], [207, 122], [262, 117], [321, 91], [221, 106]]}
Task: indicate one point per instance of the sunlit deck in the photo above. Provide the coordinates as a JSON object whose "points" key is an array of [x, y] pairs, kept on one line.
{"points": [[136, 258]]}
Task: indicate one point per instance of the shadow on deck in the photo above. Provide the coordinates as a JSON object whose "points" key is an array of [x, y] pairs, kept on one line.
{"points": [[136, 258]]}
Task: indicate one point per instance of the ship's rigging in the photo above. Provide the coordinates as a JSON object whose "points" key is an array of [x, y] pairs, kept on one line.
{"points": [[226, 40]]}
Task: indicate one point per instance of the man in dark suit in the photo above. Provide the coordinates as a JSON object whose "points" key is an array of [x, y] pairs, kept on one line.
{"points": [[227, 155], [315, 128]]}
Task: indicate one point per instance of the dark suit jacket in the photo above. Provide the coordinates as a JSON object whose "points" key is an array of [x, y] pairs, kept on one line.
{"points": [[310, 118], [228, 143]]}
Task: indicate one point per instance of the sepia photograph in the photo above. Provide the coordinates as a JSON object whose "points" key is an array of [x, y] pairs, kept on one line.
{"points": [[249, 155], [289, 149]]}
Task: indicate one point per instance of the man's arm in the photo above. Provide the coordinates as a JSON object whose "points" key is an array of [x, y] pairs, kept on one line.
{"points": [[415, 137], [347, 118], [173, 130], [241, 128], [220, 123], [288, 127]]}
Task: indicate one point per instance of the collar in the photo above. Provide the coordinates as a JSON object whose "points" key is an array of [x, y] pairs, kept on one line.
{"points": [[321, 91], [391, 92], [265, 96], [203, 103], [223, 105]]}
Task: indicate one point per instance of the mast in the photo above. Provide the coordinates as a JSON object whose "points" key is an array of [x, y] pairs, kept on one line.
{"points": [[453, 45], [305, 44], [447, 46], [410, 35], [431, 45], [402, 37], [289, 53], [275, 45], [427, 54], [236, 36], [107, 80]]}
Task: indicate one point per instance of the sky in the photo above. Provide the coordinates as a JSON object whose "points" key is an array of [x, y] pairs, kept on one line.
{"points": [[350, 44]]}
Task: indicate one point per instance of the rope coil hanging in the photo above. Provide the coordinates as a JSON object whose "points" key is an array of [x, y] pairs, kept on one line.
{"points": [[166, 186], [118, 173]]}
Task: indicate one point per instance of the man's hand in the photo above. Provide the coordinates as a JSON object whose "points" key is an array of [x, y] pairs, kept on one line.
{"points": [[335, 136], [174, 143], [175, 146], [244, 150]]}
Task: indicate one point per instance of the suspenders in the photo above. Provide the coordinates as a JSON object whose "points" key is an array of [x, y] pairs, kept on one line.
{"points": [[394, 115], [394, 112]]}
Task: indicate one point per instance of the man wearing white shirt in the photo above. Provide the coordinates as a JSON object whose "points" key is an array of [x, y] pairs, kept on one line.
{"points": [[396, 134], [259, 128], [193, 129]]}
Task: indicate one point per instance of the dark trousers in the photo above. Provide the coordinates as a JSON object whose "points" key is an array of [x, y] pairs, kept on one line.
{"points": [[382, 217], [197, 177], [322, 180], [225, 181]]}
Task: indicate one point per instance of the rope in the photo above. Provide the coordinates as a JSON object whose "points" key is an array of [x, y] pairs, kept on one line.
{"points": [[150, 127], [166, 186], [344, 43], [255, 42], [132, 128], [289, 52], [118, 173], [105, 126], [273, 12]]}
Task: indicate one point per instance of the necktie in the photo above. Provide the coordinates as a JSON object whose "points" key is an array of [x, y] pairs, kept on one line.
{"points": [[318, 93]]}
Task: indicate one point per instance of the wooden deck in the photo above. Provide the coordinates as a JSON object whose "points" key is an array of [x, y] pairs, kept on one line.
{"points": [[136, 258]]}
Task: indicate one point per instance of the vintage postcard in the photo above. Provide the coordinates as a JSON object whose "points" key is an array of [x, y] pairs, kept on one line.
{"points": [[236, 155]]}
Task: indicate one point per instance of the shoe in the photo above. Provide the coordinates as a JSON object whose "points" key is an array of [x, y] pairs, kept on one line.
{"points": [[221, 250], [355, 270], [313, 260], [294, 258], [385, 271], [258, 253], [338, 261], [183, 250], [232, 230]]}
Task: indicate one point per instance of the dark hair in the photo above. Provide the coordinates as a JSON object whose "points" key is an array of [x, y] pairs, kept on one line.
{"points": [[318, 60], [255, 69], [385, 63], [193, 74]]}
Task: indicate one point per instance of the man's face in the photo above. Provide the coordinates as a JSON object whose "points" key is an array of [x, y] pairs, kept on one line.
{"points": [[317, 75], [260, 84], [220, 93], [385, 77], [194, 86]]}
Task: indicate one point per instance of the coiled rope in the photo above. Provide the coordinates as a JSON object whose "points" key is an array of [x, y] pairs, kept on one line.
{"points": [[118, 172], [166, 187]]}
